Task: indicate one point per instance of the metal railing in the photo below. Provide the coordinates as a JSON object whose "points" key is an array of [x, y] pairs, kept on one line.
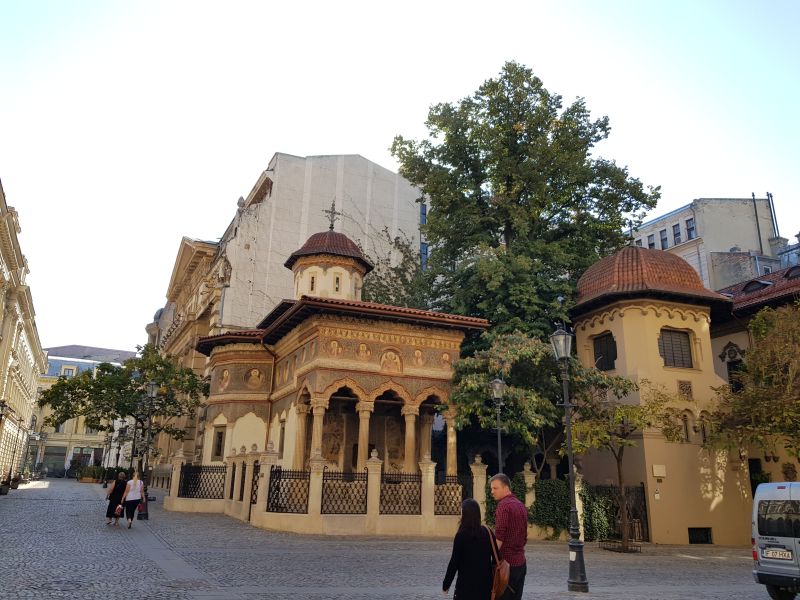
{"points": [[344, 493], [254, 491], [401, 494], [288, 490], [199, 481], [447, 496], [242, 479]]}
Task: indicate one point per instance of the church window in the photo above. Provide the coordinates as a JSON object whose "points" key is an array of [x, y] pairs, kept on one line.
{"points": [[605, 352], [282, 439], [337, 283], [675, 348], [218, 447], [312, 283], [685, 423]]}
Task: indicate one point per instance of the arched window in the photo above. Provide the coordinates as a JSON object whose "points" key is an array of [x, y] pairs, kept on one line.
{"points": [[313, 282], [685, 423], [605, 351], [704, 427]]}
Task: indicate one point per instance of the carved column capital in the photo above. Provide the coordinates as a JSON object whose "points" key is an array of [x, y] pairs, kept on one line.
{"points": [[409, 409], [365, 407]]}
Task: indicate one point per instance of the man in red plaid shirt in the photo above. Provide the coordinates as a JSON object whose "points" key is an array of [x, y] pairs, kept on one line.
{"points": [[511, 530]]}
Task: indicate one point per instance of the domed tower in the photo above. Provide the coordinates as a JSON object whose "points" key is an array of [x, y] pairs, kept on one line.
{"points": [[329, 265]]}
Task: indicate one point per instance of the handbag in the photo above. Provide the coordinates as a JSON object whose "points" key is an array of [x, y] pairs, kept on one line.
{"points": [[118, 510], [502, 570], [140, 507]]}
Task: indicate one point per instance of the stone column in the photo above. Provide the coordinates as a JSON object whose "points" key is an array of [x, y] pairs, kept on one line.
{"points": [[410, 458], [317, 465], [318, 407], [175, 480], [530, 481], [479, 483], [553, 464], [299, 461], [364, 410], [452, 448], [374, 468], [267, 460], [427, 469], [425, 429]]}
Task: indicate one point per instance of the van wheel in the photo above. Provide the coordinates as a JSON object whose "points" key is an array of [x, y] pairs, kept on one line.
{"points": [[777, 593]]}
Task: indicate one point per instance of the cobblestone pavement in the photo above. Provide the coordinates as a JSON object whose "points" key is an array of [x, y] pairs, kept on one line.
{"points": [[55, 544]]}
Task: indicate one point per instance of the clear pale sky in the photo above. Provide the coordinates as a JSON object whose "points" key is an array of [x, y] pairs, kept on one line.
{"points": [[127, 125]]}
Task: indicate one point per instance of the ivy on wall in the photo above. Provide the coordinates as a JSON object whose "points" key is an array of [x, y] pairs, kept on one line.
{"points": [[551, 508], [598, 515]]}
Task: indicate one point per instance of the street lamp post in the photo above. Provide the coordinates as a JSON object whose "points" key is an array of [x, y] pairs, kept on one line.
{"points": [[498, 390], [120, 433], [577, 582], [14, 451], [106, 452]]}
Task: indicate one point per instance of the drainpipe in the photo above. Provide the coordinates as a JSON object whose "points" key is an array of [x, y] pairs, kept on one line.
{"points": [[772, 213], [697, 248], [758, 226]]}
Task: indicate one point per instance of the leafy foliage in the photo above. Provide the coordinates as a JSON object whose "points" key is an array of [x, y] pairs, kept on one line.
{"points": [[519, 205], [598, 515], [551, 508], [114, 392], [765, 407], [398, 277]]}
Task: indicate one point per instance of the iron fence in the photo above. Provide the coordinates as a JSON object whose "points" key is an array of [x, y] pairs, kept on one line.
{"points": [[254, 492], [401, 494], [344, 493], [242, 479], [447, 496], [288, 490], [199, 481], [233, 480]]}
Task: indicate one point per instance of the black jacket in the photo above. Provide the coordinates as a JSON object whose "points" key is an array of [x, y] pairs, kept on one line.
{"points": [[472, 560]]}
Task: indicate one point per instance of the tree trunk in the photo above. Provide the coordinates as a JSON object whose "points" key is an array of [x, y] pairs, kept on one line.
{"points": [[623, 502]]}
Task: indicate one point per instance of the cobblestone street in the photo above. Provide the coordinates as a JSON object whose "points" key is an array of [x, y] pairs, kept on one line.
{"points": [[55, 544]]}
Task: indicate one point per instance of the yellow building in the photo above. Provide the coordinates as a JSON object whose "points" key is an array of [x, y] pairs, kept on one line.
{"points": [[320, 420], [645, 314]]}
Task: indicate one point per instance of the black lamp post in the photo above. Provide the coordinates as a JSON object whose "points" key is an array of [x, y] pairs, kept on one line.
{"points": [[498, 390], [577, 582], [120, 433], [152, 393]]}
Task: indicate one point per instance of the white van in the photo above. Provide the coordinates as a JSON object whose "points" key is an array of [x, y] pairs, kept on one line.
{"points": [[776, 539]]}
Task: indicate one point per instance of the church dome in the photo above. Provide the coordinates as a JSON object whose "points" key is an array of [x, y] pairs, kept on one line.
{"points": [[641, 272], [332, 243]]}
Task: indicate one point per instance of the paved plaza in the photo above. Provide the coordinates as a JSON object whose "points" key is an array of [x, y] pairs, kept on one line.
{"points": [[55, 544]]}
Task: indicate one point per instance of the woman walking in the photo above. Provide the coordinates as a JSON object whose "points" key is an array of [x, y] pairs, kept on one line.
{"points": [[133, 495], [471, 558], [114, 497]]}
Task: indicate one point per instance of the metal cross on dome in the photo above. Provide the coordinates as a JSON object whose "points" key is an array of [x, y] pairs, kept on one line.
{"points": [[332, 213]]}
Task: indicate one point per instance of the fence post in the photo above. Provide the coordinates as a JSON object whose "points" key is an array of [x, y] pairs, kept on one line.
{"points": [[175, 478], [317, 465], [250, 461], [479, 483], [427, 469], [530, 481], [229, 475], [268, 460], [374, 468]]}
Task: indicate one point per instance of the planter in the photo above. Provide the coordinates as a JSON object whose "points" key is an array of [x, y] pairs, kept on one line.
{"points": [[86, 480]]}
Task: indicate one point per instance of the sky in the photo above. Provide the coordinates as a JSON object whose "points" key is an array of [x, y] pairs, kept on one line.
{"points": [[125, 126]]}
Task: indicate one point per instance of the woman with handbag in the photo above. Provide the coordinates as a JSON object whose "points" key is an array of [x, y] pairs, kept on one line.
{"points": [[471, 557], [114, 497], [133, 496]]}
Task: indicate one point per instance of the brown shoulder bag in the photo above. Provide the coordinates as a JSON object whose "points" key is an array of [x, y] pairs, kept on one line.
{"points": [[502, 570]]}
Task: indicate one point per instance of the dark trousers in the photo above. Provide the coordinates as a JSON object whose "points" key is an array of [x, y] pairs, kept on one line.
{"points": [[516, 581], [130, 510]]}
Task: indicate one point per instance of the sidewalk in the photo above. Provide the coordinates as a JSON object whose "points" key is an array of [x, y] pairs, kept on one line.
{"points": [[55, 544]]}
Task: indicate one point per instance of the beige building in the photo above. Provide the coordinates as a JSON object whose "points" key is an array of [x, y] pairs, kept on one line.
{"points": [[645, 314], [320, 419], [232, 283], [21, 355], [55, 448], [726, 240]]}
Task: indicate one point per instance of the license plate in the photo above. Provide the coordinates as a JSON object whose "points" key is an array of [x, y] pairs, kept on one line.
{"points": [[779, 554]]}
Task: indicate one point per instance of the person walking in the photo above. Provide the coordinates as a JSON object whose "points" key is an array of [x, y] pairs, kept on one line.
{"points": [[134, 494], [114, 497], [471, 557], [511, 531]]}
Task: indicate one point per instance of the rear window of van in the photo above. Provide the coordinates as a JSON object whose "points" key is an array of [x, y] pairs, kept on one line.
{"points": [[779, 518]]}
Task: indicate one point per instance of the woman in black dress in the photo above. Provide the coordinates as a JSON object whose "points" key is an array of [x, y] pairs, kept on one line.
{"points": [[471, 558], [114, 498]]}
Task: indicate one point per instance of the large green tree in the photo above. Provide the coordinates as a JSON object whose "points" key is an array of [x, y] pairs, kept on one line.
{"points": [[763, 410], [519, 204], [120, 392]]}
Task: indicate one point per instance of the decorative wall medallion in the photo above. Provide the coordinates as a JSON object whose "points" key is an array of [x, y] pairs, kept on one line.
{"points": [[335, 348], [419, 359], [364, 352], [390, 361], [446, 360], [731, 352], [253, 379]]}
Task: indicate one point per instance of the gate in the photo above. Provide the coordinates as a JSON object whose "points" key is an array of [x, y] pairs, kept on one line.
{"points": [[288, 490]]}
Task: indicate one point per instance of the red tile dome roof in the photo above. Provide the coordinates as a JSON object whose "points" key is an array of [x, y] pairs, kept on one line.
{"points": [[330, 242], [641, 272]]}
